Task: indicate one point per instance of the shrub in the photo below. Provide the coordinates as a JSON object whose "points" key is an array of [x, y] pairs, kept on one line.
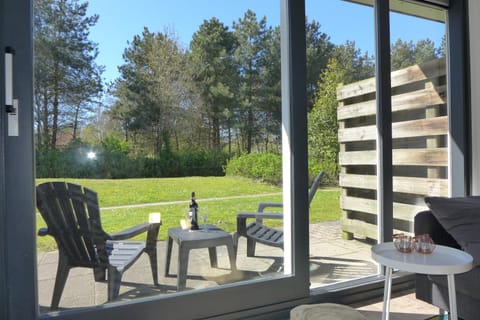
{"points": [[265, 167], [70, 161], [331, 172], [113, 161], [166, 165], [191, 163]]}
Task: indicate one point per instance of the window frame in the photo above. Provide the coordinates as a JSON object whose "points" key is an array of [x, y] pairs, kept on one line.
{"points": [[265, 298]]}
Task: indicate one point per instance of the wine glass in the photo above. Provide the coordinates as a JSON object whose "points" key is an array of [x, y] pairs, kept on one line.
{"points": [[204, 218]]}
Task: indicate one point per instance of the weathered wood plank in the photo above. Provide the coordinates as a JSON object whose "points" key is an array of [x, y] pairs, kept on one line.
{"points": [[406, 101], [421, 157], [363, 229], [358, 204], [407, 157], [412, 185], [359, 228], [404, 129], [421, 127], [357, 100], [401, 211], [364, 133], [415, 73]]}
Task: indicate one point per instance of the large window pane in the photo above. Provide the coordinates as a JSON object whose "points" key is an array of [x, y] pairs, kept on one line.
{"points": [[419, 109], [346, 92], [148, 104], [342, 133]]}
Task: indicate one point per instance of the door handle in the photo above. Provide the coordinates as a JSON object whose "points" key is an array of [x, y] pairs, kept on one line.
{"points": [[9, 52]]}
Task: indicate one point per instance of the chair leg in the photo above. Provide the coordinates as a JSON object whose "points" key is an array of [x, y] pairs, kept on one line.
{"points": [[114, 280], [62, 273], [250, 247], [235, 242], [151, 250], [154, 265], [99, 274]]}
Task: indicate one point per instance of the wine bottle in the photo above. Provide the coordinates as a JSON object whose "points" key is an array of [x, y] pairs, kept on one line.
{"points": [[193, 212]]}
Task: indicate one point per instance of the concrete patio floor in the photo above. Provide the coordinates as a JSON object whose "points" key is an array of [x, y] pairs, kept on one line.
{"points": [[332, 259]]}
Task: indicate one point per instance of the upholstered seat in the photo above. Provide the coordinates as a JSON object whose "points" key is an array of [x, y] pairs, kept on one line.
{"points": [[325, 311]]}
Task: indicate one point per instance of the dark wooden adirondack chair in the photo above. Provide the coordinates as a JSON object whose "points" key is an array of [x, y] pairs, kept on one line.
{"points": [[73, 219], [257, 231]]}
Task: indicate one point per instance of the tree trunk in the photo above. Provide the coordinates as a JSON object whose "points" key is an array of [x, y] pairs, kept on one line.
{"points": [[249, 130], [56, 102], [75, 121], [229, 141], [216, 133], [158, 141], [44, 119], [177, 143]]}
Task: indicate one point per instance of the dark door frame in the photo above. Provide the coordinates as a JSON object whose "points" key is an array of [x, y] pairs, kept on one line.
{"points": [[18, 283]]}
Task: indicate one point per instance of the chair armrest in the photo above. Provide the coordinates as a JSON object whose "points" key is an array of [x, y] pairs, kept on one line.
{"points": [[136, 230], [43, 232], [259, 216], [263, 205]]}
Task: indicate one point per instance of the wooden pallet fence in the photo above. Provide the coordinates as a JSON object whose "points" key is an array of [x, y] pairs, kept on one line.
{"points": [[420, 154]]}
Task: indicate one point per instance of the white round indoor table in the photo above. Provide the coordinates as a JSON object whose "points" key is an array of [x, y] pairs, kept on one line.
{"points": [[442, 261]]}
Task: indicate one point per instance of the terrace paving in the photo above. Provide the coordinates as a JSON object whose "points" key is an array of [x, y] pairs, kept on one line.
{"points": [[332, 259]]}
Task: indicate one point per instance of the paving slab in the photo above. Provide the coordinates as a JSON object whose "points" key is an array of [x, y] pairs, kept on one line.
{"points": [[332, 259]]}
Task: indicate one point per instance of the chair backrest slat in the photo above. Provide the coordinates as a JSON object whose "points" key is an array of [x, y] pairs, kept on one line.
{"points": [[82, 216], [56, 211], [315, 184], [74, 220]]}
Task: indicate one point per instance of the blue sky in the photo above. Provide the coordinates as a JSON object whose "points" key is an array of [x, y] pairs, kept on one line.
{"points": [[120, 20]]}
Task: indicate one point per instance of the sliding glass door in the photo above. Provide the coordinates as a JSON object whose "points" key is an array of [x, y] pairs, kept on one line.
{"points": [[419, 108], [282, 278], [341, 136], [217, 84]]}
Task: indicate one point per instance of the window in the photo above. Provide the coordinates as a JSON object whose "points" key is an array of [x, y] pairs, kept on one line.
{"points": [[341, 136], [418, 48], [245, 299]]}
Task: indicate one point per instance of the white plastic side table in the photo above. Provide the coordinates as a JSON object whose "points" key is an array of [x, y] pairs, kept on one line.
{"points": [[442, 261]]}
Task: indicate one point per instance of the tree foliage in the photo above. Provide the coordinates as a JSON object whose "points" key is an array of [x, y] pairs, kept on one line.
{"points": [[222, 93], [214, 76], [150, 89], [347, 65], [67, 80], [407, 53], [318, 51], [250, 57]]}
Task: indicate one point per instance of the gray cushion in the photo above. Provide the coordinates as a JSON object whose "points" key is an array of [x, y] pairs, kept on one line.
{"points": [[325, 311], [473, 248], [460, 217]]}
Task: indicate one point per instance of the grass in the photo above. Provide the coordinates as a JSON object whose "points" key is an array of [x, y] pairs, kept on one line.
{"points": [[209, 192]]}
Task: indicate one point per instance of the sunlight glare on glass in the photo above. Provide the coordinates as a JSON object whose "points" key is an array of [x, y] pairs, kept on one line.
{"points": [[91, 155]]}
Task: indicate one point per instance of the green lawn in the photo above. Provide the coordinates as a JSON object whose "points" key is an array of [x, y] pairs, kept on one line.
{"points": [[222, 212]]}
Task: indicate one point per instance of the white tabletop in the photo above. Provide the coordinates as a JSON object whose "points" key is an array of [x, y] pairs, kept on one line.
{"points": [[442, 261]]}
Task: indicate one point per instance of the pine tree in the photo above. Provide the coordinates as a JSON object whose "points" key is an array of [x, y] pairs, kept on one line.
{"points": [[214, 76], [150, 89], [67, 79]]}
